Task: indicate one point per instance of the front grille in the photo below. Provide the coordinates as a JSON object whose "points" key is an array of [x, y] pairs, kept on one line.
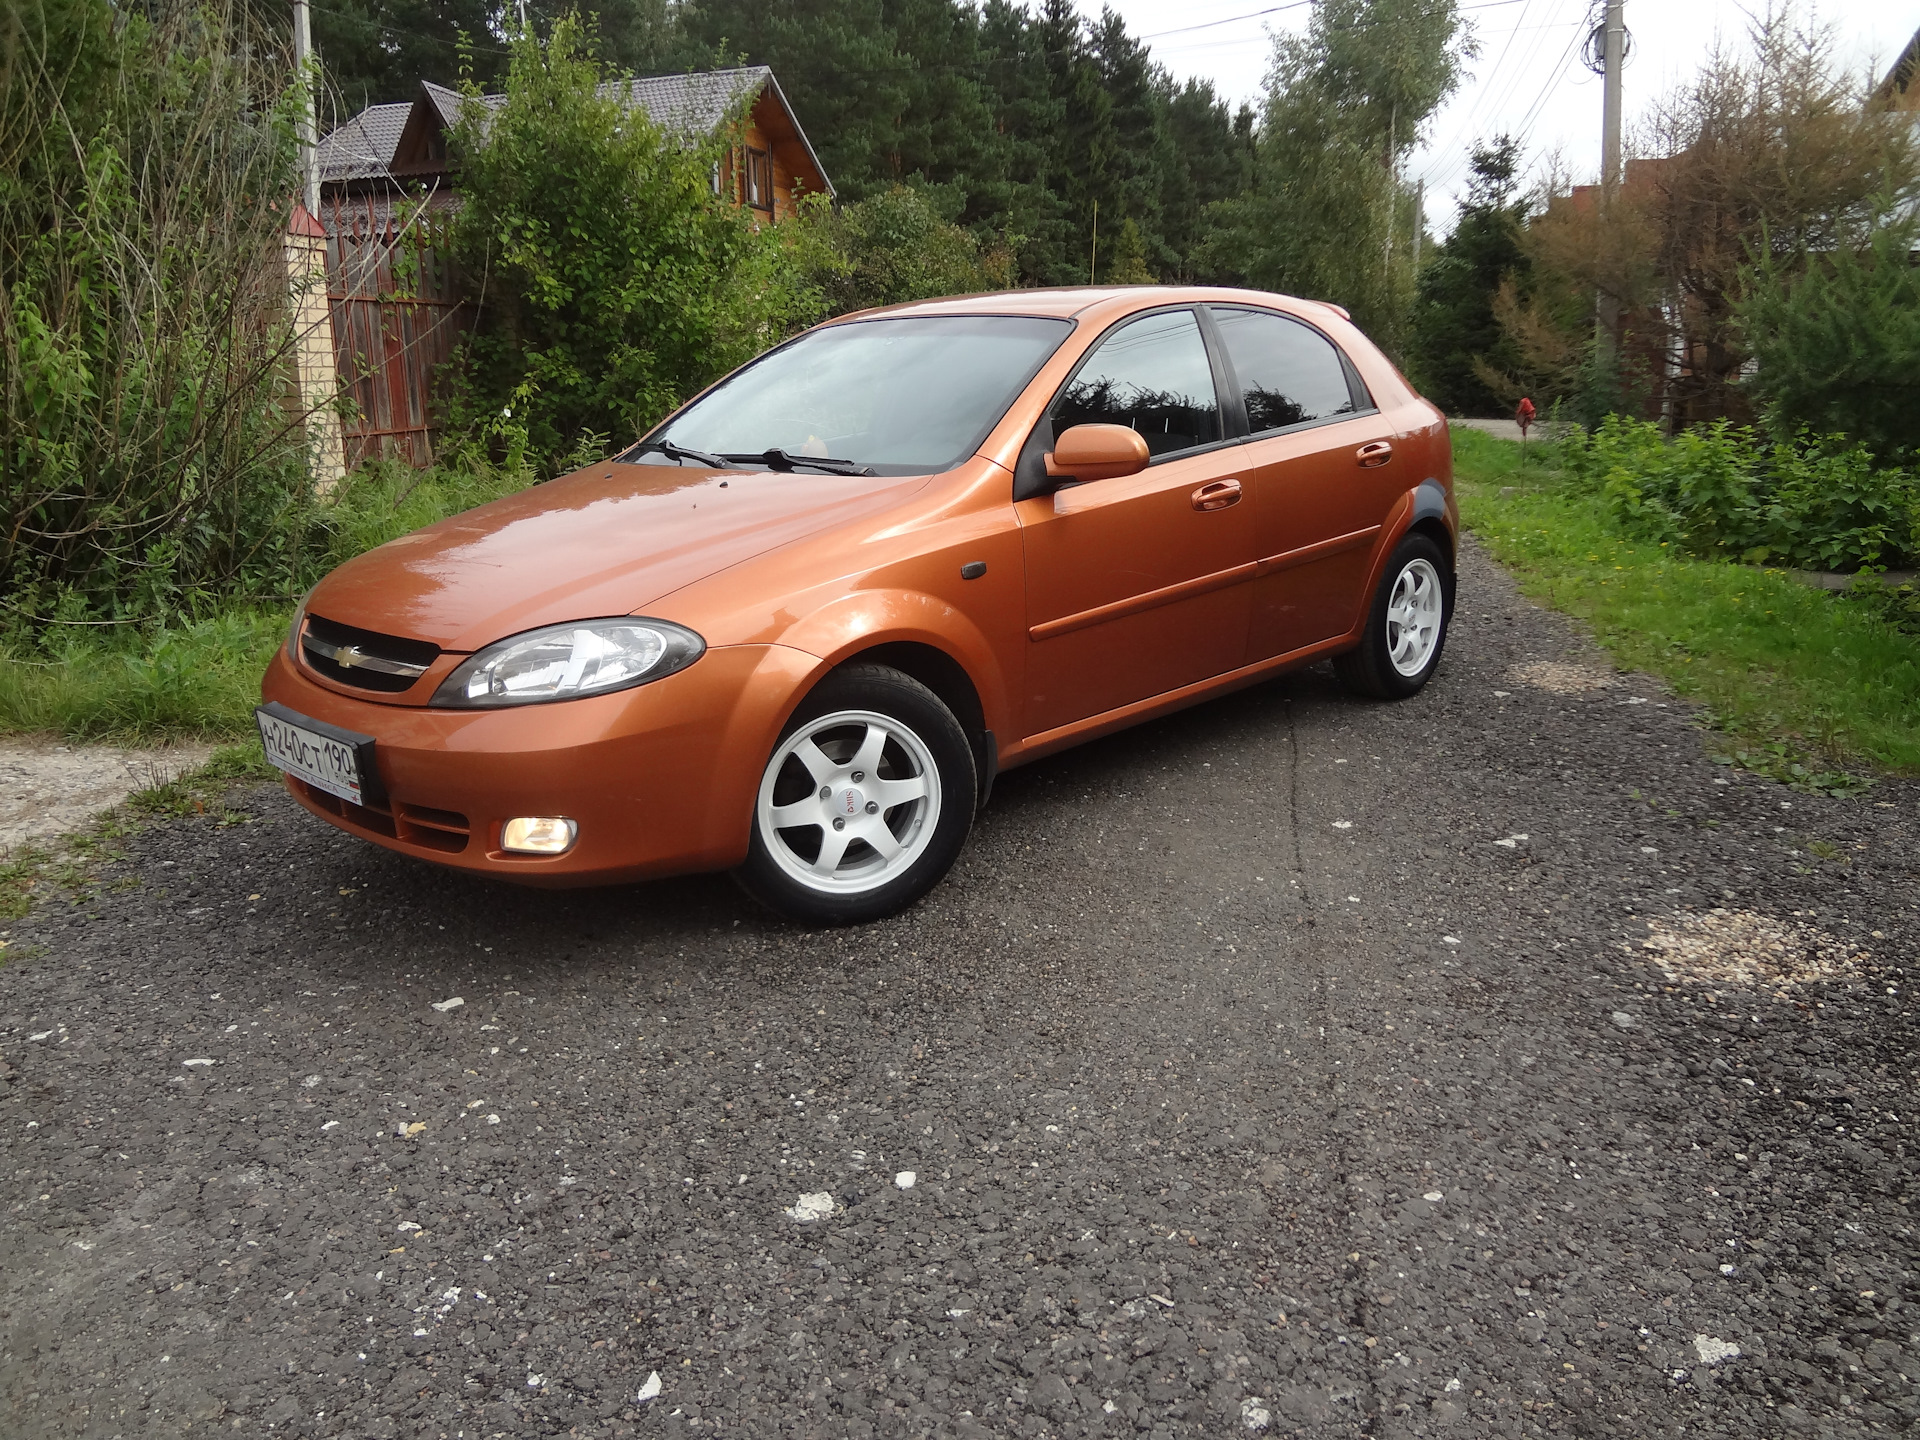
{"points": [[444, 830], [364, 659]]}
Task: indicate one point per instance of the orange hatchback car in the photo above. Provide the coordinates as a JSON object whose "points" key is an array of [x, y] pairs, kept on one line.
{"points": [[797, 629]]}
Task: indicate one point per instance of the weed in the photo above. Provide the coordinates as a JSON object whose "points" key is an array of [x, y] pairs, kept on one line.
{"points": [[1776, 761]]}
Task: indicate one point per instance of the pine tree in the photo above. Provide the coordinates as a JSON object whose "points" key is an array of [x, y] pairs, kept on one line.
{"points": [[1457, 341]]}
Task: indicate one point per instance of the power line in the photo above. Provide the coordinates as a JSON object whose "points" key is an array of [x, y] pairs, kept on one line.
{"points": [[1298, 4]]}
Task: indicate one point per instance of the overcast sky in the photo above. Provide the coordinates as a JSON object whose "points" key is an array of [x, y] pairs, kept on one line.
{"points": [[1528, 81]]}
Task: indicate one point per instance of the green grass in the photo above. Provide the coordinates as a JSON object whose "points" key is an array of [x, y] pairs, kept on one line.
{"points": [[1798, 679], [200, 679]]}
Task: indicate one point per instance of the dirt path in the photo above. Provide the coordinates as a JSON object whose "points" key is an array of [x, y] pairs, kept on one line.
{"points": [[1491, 1064], [54, 787]]}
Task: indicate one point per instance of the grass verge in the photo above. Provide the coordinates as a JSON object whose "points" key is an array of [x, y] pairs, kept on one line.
{"points": [[1801, 682], [200, 679]]}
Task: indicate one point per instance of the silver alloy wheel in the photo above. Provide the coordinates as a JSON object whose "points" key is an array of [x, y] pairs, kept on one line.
{"points": [[848, 802], [1414, 612]]}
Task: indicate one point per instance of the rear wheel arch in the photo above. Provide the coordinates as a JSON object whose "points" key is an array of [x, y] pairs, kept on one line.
{"points": [[1435, 529]]}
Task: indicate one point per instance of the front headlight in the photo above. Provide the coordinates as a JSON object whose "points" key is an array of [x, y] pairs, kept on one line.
{"points": [[299, 619], [563, 662]]}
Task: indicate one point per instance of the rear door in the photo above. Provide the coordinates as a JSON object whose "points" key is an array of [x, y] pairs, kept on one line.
{"points": [[1138, 585], [1321, 472]]}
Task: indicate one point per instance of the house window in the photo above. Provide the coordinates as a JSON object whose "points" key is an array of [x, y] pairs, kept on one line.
{"points": [[760, 180]]}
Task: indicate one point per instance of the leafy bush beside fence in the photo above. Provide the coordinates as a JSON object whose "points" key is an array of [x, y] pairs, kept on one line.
{"points": [[612, 280], [1730, 492], [150, 448]]}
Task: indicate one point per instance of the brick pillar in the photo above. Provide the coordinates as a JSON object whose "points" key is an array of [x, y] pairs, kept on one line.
{"points": [[313, 355]]}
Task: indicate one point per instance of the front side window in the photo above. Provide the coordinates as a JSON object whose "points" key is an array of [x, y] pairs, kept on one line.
{"points": [[1152, 376], [907, 396], [1289, 374]]}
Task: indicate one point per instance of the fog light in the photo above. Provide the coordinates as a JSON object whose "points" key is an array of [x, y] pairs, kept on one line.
{"points": [[539, 835]]}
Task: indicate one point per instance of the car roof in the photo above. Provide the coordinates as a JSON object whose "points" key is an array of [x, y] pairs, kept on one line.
{"points": [[1071, 302]]}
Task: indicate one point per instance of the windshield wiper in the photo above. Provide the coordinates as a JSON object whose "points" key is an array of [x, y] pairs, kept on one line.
{"points": [[778, 459], [682, 453]]}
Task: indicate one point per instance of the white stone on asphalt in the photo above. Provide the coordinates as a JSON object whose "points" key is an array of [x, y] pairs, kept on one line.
{"points": [[816, 1206], [1712, 1351], [1434, 1196], [651, 1389], [443, 1006], [1254, 1413], [199, 1062], [905, 1179]]}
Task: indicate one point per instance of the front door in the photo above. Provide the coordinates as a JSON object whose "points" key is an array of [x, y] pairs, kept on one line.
{"points": [[1322, 482], [1138, 585]]}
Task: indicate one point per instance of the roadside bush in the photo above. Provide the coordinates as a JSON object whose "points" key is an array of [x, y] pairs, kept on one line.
{"points": [[1728, 492], [612, 280], [150, 455], [899, 245]]}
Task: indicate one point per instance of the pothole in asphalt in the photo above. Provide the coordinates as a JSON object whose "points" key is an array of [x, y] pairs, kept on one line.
{"points": [[1744, 947], [1563, 677]]}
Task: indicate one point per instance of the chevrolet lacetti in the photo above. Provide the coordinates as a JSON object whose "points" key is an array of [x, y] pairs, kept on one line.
{"points": [[796, 630]]}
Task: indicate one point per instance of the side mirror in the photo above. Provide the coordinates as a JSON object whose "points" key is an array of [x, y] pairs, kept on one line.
{"points": [[1097, 452]]}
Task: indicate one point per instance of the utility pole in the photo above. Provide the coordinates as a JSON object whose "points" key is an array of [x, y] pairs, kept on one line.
{"points": [[1615, 53], [303, 62], [1419, 221], [1093, 260]]}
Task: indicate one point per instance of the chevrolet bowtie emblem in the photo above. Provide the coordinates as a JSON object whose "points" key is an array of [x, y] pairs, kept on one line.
{"points": [[347, 656]]}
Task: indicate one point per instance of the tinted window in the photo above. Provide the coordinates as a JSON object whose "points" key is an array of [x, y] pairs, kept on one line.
{"points": [[1152, 376], [1288, 373], [905, 396]]}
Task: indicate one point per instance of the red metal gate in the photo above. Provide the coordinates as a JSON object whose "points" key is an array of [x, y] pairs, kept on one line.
{"points": [[397, 312]]}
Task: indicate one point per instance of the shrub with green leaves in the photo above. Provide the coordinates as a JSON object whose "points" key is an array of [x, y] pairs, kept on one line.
{"points": [[150, 450], [1814, 502], [612, 281], [899, 245]]}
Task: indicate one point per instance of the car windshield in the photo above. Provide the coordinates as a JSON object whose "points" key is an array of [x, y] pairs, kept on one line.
{"points": [[906, 396]]}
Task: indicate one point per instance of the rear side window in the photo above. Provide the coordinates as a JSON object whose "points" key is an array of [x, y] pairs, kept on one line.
{"points": [[1289, 374], [1152, 376]]}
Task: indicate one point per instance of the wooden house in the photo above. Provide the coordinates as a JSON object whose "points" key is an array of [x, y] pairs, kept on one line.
{"points": [[389, 150], [397, 310]]}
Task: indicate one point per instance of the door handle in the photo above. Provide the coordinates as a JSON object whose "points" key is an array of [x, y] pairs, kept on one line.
{"points": [[1376, 453], [1217, 496]]}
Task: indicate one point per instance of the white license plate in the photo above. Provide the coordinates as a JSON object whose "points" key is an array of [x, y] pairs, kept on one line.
{"points": [[320, 754]]}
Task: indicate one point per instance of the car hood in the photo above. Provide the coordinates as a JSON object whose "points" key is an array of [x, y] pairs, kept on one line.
{"points": [[610, 540]]}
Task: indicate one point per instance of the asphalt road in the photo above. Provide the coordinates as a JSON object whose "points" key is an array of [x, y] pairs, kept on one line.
{"points": [[1295, 1063]]}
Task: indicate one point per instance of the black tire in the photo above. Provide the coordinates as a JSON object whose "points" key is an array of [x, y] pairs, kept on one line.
{"points": [[913, 717], [1369, 669]]}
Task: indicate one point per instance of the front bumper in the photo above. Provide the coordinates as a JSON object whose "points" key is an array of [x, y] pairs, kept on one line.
{"points": [[661, 778]]}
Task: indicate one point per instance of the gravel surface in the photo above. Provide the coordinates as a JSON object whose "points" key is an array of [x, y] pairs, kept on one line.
{"points": [[1488, 1064]]}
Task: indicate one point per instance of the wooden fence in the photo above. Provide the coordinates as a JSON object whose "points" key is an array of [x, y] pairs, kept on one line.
{"points": [[397, 312]]}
